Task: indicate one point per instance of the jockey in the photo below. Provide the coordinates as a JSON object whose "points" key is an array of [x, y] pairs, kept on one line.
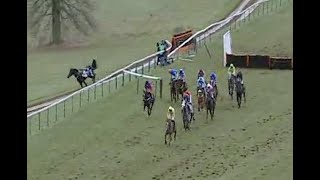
{"points": [[182, 75], [87, 71], [173, 73], [201, 73], [188, 98], [170, 115], [187, 95], [148, 86], [239, 75], [209, 89], [213, 77], [231, 71], [201, 82]]}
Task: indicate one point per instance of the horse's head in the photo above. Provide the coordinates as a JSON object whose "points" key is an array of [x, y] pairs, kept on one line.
{"points": [[72, 71], [200, 91]]}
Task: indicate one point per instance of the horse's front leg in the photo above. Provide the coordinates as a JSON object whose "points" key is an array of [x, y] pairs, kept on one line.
{"points": [[94, 78], [244, 96], [165, 138], [85, 83]]}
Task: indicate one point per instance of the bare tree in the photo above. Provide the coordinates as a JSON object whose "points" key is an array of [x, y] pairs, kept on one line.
{"points": [[46, 15]]}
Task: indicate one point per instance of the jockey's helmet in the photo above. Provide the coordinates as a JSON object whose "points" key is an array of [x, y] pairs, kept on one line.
{"points": [[171, 109], [181, 70], [231, 65], [169, 70], [209, 85]]}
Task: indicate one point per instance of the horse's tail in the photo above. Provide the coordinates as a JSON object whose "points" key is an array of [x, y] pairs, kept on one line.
{"points": [[94, 64]]}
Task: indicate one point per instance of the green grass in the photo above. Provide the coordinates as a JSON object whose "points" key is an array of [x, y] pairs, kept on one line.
{"points": [[127, 32], [114, 139]]}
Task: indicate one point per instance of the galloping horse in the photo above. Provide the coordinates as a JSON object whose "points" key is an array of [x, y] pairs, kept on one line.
{"points": [[148, 101], [78, 73], [201, 98], [170, 129], [173, 91], [180, 87], [186, 115], [210, 104], [240, 90], [231, 83]]}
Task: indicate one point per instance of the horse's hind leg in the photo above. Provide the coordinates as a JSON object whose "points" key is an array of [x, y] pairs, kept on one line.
{"points": [[175, 134], [239, 100], [207, 113]]}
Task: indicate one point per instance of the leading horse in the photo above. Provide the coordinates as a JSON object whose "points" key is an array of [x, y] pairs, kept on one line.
{"points": [[170, 129]]}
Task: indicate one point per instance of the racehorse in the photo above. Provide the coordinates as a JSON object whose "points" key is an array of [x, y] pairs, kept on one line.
{"points": [[78, 74], [231, 83], [173, 91], [186, 116], [148, 101], [210, 104], [180, 87], [170, 129], [201, 98], [240, 90]]}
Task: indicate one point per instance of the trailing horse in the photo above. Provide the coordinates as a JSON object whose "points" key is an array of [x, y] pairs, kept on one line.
{"points": [[148, 101], [173, 91], [170, 129], [201, 98], [186, 115], [231, 83], [78, 73], [240, 90], [210, 104], [180, 87]]}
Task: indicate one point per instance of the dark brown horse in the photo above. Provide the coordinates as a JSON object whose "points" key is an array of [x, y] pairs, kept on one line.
{"points": [[170, 129], [201, 98], [180, 87], [173, 91]]}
